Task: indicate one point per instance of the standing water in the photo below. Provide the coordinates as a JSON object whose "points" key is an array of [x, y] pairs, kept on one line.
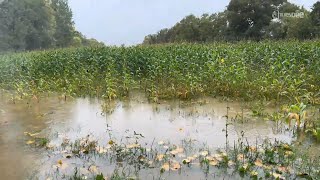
{"points": [[202, 122]]}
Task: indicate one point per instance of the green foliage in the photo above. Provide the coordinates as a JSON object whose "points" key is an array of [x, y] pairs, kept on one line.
{"points": [[206, 28], [248, 18], [76, 42], [100, 177], [268, 70], [64, 31], [315, 14], [315, 18], [243, 20], [38, 24]]}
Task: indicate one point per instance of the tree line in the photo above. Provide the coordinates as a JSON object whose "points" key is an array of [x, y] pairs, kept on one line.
{"points": [[245, 20], [38, 24]]}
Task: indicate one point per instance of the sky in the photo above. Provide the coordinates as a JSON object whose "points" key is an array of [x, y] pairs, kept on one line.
{"points": [[117, 22]]}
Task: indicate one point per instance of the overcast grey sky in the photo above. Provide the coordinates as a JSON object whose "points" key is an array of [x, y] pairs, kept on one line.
{"points": [[117, 22]]}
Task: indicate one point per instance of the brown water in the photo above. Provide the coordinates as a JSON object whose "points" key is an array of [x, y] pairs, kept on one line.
{"points": [[201, 121]]}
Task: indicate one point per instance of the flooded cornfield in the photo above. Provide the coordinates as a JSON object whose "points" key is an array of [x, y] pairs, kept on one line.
{"points": [[229, 95], [205, 138]]}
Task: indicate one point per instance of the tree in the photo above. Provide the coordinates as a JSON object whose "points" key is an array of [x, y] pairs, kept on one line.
{"points": [[13, 25], [150, 39], [42, 27], [64, 32], [187, 30], [220, 26], [92, 43], [38, 24], [300, 28], [25, 25], [248, 18], [276, 30], [315, 18], [315, 14], [289, 27]]}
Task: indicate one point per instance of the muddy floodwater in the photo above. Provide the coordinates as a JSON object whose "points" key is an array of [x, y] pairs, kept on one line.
{"points": [[201, 121]]}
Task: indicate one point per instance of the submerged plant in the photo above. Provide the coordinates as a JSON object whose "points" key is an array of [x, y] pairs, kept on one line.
{"points": [[276, 159], [298, 113]]}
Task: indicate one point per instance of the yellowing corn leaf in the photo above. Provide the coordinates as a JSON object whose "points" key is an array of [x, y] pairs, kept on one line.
{"points": [[218, 157], [141, 158], [293, 116], [240, 157], [31, 134], [165, 166], [174, 152], [111, 142], [30, 142], [160, 157], [177, 151], [288, 153], [101, 150], [204, 153], [191, 158], [210, 158], [245, 166], [267, 167], [93, 169], [230, 163], [50, 146], [282, 169], [61, 165], [223, 154], [254, 173], [175, 166], [258, 163], [253, 148], [131, 146], [276, 175], [180, 150], [213, 162]]}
